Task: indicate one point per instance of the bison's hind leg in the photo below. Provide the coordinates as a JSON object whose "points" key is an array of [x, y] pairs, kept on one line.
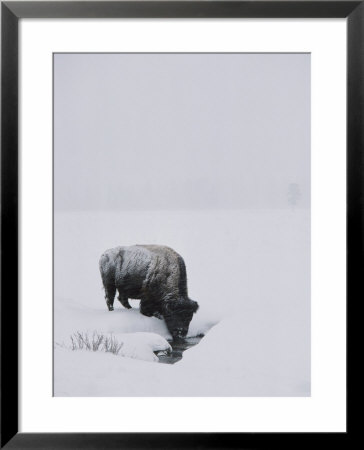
{"points": [[123, 299], [110, 292]]}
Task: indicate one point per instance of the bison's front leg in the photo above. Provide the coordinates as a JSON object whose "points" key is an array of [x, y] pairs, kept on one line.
{"points": [[158, 315], [148, 308], [145, 308], [123, 299]]}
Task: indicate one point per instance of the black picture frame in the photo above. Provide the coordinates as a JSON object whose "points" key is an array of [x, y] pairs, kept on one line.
{"points": [[11, 12]]}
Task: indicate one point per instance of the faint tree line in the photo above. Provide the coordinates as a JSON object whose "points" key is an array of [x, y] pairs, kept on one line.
{"points": [[293, 194]]}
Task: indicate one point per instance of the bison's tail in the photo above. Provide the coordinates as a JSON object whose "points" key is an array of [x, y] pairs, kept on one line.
{"points": [[104, 266], [103, 263]]}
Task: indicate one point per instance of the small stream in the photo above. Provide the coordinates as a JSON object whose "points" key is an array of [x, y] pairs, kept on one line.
{"points": [[177, 350]]}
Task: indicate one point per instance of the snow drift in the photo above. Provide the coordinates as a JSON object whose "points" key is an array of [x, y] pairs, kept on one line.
{"points": [[248, 270]]}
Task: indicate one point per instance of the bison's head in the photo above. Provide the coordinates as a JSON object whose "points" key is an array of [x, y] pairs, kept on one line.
{"points": [[178, 315]]}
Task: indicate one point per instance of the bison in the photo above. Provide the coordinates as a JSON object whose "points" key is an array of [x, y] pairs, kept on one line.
{"points": [[154, 274]]}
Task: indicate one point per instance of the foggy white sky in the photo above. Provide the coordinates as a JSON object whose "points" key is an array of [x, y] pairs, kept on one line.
{"points": [[180, 131]]}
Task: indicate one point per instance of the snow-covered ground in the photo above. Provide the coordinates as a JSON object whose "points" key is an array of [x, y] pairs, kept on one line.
{"points": [[250, 273]]}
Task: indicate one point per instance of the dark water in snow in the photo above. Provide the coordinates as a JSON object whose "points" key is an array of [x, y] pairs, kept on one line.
{"points": [[177, 350]]}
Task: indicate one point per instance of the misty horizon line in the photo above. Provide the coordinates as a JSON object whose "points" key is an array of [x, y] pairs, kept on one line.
{"points": [[288, 207]]}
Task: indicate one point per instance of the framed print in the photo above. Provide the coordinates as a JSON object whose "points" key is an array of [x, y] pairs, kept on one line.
{"points": [[194, 200], [181, 220]]}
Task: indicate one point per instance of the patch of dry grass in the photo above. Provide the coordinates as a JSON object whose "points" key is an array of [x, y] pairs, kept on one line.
{"points": [[95, 342]]}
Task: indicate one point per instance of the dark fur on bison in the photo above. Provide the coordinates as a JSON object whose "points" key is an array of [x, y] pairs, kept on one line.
{"points": [[154, 274]]}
